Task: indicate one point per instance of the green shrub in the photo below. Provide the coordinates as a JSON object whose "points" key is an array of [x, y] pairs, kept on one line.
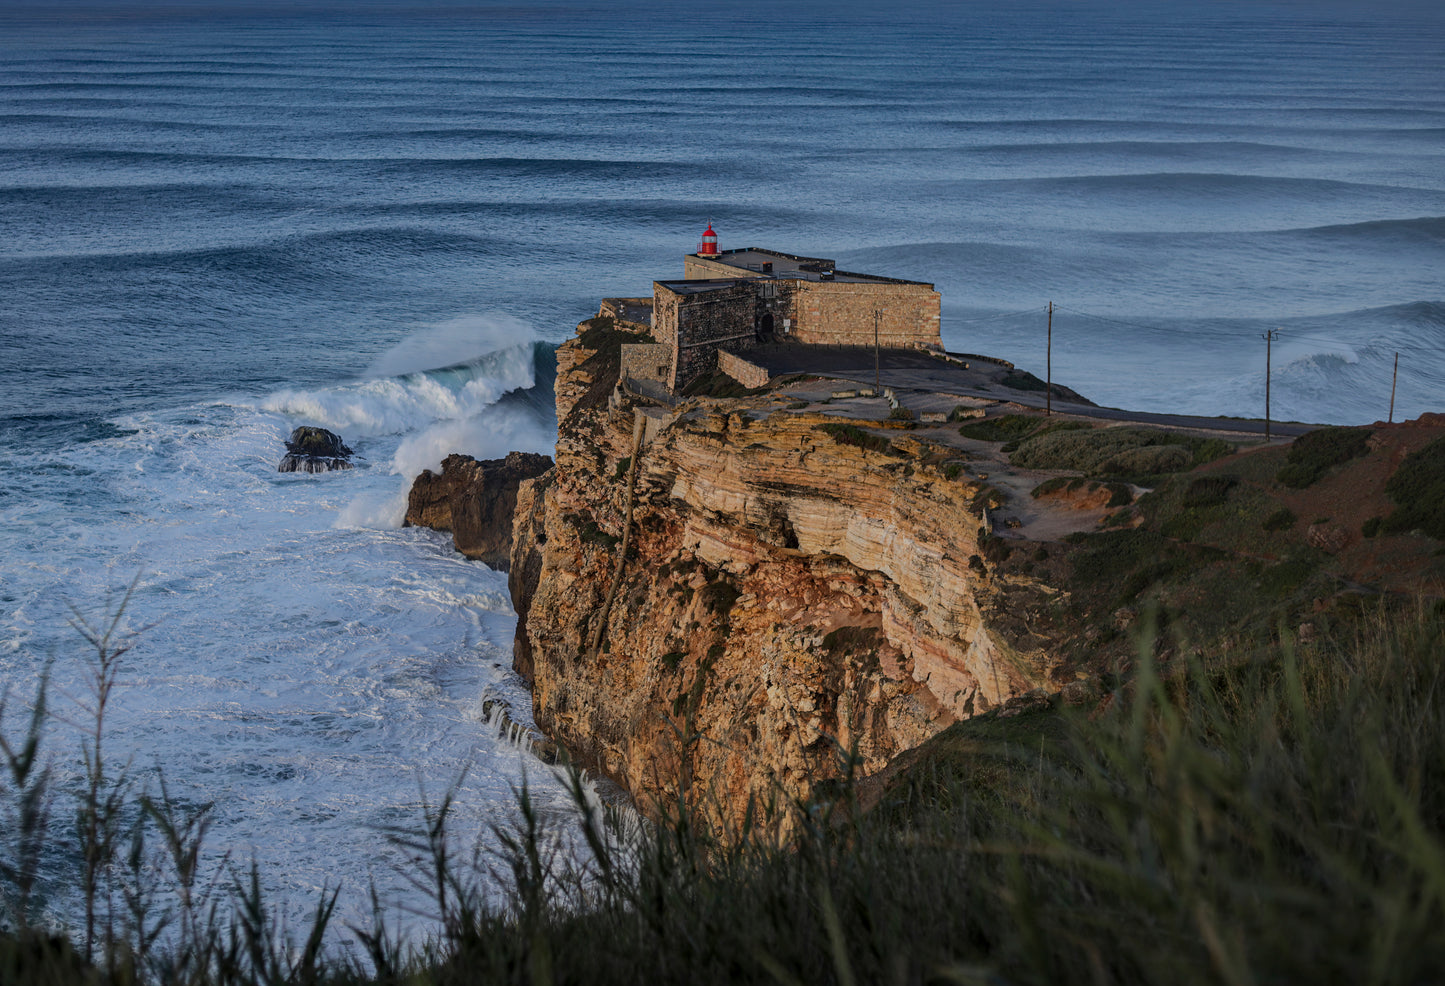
{"points": [[1209, 491], [1117, 451], [1004, 428], [995, 549], [900, 414], [1281, 520], [1371, 527], [1112, 554], [1282, 579], [1317, 452], [1418, 489], [589, 533], [1148, 460], [952, 470], [1023, 380], [1210, 449], [846, 434], [1052, 485]]}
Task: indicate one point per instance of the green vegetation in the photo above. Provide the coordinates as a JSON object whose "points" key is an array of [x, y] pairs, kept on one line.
{"points": [[900, 414], [1281, 520], [1024, 380], [1209, 491], [1418, 489], [1269, 818], [1317, 452], [1004, 428], [589, 533], [1054, 484], [952, 470], [846, 434], [604, 366], [1117, 451]]}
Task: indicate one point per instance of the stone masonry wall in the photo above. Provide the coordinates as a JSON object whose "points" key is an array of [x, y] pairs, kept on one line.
{"points": [[699, 325], [646, 361], [841, 313], [745, 373]]}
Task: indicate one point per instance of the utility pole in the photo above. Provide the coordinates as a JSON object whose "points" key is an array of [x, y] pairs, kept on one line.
{"points": [[1269, 338], [1393, 380], [1049, 366], [877, 360]]}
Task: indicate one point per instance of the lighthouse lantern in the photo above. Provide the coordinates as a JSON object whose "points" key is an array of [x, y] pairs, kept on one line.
{"points": [[708, 246]]}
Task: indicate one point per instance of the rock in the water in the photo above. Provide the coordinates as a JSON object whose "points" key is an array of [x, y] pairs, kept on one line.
{"points": [[312, 449], [475, 500]]}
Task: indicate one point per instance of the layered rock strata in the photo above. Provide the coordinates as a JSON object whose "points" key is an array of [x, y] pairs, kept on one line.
{"points": [[793, 586], [475, 500]]}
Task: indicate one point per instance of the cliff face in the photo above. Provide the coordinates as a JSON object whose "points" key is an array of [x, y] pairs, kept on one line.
{"points": [[792, 585]]}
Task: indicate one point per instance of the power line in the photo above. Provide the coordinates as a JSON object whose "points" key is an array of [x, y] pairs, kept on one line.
{"points": [[994, 318]]}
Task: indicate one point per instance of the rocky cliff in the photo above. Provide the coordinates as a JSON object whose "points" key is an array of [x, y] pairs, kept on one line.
{"points": [[474, 500], [718, 599]]}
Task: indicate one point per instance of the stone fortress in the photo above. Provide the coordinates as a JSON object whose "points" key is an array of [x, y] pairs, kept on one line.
{"points": [[731, 301]]}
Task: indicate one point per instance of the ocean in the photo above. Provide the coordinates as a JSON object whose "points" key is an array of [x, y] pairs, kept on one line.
{"points": [[219, 221]]}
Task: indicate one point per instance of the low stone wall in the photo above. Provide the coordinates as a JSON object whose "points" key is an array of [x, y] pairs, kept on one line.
{"points": [[745, 373], [651, 362]]}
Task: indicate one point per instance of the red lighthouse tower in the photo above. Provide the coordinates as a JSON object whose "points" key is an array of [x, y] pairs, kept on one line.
{"points": [[708, 246]]}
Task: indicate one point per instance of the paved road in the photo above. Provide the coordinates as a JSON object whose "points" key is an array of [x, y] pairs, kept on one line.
{"points": [[910, 369]]}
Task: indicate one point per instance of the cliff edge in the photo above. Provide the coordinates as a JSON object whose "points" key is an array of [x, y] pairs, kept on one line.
{"points": [[721, 597]]}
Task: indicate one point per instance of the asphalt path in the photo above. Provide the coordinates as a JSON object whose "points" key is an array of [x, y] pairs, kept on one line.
{"points": [[912, 369]]}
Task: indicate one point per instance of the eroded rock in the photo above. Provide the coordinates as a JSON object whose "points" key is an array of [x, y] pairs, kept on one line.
{"points": [[474, 499]]}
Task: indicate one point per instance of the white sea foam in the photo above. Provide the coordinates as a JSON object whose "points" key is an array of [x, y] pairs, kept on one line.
{"points": [[453, 342], [449, 372], [302, 664]]}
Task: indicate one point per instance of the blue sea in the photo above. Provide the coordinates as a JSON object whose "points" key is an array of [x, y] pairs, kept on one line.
{"points": [[222, 220]]}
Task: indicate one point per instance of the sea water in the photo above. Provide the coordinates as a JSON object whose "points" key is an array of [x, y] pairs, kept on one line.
{"points": [[222, 221]]}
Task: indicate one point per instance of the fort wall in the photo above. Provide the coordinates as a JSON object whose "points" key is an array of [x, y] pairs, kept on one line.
{"points": [[840, 313], [745, 373], [697, 325], [649, 362]]}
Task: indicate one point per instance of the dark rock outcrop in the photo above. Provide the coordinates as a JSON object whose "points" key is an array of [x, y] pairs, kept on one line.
{"points": [[474, 500], [311, 449]]}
